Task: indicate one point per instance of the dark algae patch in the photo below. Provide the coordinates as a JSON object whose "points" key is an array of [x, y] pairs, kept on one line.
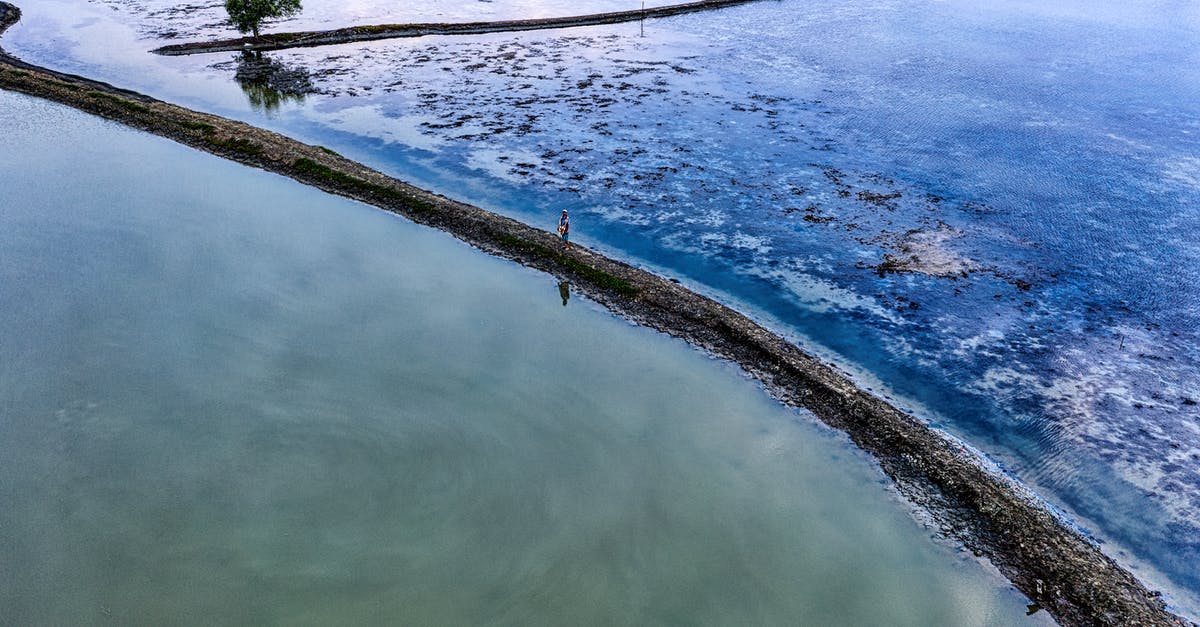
{"points": [[1048, 560]]}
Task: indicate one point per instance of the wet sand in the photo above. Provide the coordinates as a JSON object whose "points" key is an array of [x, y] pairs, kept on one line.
{"points": [[1041, 554]]}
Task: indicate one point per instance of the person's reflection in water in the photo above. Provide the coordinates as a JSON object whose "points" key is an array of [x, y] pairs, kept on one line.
{"points": [[564, 290], [268, 83]]}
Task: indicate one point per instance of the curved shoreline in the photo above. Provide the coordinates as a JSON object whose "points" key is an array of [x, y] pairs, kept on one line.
{"points": [[993, 515], [279, 41]]}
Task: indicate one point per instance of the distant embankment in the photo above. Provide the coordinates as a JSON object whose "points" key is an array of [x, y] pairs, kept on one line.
{"points": [[277, 41], [1043, 556]]}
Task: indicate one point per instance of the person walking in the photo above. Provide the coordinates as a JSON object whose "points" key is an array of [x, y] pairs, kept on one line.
{"points": [[564, 230]]}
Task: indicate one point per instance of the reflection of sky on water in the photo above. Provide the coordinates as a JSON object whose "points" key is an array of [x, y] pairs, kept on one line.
{"points": [[1038, 161], [227, 395]]}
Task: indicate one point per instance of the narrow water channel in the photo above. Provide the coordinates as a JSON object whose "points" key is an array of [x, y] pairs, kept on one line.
{"points": [[226, 398]]}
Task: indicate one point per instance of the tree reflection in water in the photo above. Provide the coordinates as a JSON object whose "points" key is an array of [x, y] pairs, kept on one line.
{"points": [[268, 83]]}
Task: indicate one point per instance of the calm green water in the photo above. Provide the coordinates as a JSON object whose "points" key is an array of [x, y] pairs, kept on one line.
{"points": [[226, 398]]}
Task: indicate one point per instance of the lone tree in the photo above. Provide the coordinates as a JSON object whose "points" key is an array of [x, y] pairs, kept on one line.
{"points": [[247, 15]]}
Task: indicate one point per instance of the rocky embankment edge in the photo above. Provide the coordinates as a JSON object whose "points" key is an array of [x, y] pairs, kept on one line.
{"points": [[994, 516], [278, 41]]}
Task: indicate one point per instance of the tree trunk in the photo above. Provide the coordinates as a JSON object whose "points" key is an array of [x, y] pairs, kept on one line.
{"points": [[255, 27]]}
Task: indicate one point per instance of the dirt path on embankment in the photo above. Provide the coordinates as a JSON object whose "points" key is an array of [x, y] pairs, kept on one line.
{"points": [[993, 515], [278, 41]]}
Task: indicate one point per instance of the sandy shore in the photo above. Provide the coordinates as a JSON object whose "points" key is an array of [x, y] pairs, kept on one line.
{"points": [[990, 513], [277, 41]]}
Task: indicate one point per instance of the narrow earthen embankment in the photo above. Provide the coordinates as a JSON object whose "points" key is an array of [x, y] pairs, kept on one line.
{"points": [[277, 41], [1043, 557]]}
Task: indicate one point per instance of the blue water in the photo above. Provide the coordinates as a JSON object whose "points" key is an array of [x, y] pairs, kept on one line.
{"points": [[1035, 169], [230, 399]]}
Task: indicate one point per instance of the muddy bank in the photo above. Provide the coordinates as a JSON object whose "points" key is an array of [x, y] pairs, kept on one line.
{"points": [[278, 41], [1048, 561]]}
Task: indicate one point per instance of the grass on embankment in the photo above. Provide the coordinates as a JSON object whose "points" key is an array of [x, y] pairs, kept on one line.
{"points": [[355, 184], [198, 126], [593, 275], [117, 100], [237, 144]]}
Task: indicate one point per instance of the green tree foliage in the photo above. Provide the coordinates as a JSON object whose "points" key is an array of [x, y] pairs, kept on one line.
{"points": [[247, 15]]}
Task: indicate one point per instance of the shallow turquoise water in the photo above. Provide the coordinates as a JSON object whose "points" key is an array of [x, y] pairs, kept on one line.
{"points": [[226, 398]]}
